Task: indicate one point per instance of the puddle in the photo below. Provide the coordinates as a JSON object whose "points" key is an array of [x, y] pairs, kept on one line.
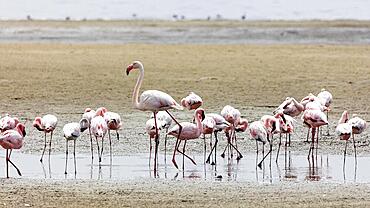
{"points": [[294, 168]]}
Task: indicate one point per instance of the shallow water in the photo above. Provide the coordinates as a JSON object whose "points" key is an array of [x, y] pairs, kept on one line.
{"points": [[293, 168]]}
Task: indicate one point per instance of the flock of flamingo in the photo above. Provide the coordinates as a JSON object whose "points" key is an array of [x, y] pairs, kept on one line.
{"points": [[100, 122]]}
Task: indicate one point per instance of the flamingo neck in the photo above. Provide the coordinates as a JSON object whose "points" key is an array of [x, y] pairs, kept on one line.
{"points": [[135, 94], [198, 123]]}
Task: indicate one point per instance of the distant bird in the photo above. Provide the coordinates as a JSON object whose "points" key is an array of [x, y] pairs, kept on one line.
{"points": [[326, 98], [190, 131], [232, 115], [192, 101], [71, 132], [114, 123], [99, 129], [89, 115], [166, 121], [153, 100], [47, 124], [12, 139], [290, 107], [314, 118], [7, 122], [150, 126], [221, 124]]}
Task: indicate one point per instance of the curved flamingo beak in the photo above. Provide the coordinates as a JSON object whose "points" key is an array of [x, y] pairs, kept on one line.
{"points": [[129, 68]]}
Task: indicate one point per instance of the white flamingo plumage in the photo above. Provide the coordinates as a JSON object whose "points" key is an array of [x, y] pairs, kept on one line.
{"points": [[71, 131], [89, 114], [12, 139], [47, 124], [166, 121], [99, 129], [114, 123], [152, 100], [7, 122]]}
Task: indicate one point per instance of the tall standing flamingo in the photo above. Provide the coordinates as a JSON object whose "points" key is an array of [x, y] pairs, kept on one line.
{"points": [[89, 114], [153, 100], [46, 124], [99, 129], [189, 131], [7, 122], [12, 139], [192, 101], [221, 124], [71, 132], [326, 98]]}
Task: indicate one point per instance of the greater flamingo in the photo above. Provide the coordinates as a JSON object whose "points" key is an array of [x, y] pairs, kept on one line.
{"points": [[12, 139], [46, 124], [326, 98], [71, 132], [153, 100], [99, 129], [7, 122], [189, 131], [221, 124], [232, 115], [192, 101]]}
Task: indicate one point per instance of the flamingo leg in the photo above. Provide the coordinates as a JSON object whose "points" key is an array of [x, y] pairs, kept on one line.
{"points": [[110, 145], [187, 156], [18, 171], [289, 139], [51, 137], [74, 155], [174, 153], [7, 163], [308, 134], [178, 138], [65, 169], [327, 129], [91, 144], [213, 148], [117, 134], [165, 146], [43, 151], [277, 155], [344, 156], [183, 156], [354, 145], [150, 149], [97, 143], [313, 141], [260, 163], [156, 140], [205, 148]]}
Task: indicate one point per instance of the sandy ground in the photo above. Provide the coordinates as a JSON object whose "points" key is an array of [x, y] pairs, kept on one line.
{"points": [[64, 79]]}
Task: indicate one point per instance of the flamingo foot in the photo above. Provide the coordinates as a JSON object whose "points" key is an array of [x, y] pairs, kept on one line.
{"points": [[175, 164], [260, 165], [239, 157], [213, 163], [223, 155]]}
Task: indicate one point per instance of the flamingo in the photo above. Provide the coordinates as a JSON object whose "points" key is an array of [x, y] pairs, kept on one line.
{"points": [[151, 131], [189, 131], [99, 129], [7, 122], [358, 126], [289, 122], [290, 107], [311, 102], [166, 121], [46, 124], [192, 101], [273, 125], [258, 132], [221, 124], [114, 123], [12, 139], [90, 114], [326, 99], [208, 128], [71, 132], [154, 101], [314, 118], [344, 130], [232, 115]]}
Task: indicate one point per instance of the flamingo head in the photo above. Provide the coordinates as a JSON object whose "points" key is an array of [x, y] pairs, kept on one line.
{"points": [[200, 113], [87, 110], [344, 118], [84, 124], [21, 129], [37, 124], [134, 65]]}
